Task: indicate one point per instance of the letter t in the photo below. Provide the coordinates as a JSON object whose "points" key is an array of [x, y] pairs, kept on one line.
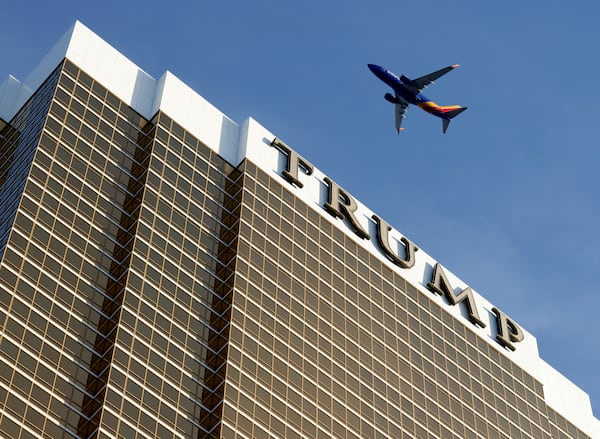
{"points": [[293, 162]]}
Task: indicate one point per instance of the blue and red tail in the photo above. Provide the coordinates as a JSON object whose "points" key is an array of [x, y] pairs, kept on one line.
{"points": [[445, 112], [449, 113]]}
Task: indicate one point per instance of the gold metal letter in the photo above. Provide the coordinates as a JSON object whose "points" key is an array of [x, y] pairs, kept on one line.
{"points": [[439, 284], [508, 331], [342, 205], [294, 161], [383, 229]]}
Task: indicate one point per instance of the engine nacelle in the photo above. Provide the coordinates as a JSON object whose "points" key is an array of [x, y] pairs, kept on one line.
{"points": [[406, 80], [390, 98]]}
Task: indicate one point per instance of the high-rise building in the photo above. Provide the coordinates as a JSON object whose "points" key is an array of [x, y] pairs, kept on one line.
{"points": [[166, 272]]}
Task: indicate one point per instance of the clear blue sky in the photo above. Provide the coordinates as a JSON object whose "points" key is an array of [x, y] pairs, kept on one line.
{"points": [[507, 199]]}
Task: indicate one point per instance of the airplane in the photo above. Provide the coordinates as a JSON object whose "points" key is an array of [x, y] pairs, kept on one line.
{"points": [[408, 91]]}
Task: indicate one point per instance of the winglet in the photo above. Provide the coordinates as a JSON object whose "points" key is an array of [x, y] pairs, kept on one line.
{"points": [[400, 129], [455, 66]]}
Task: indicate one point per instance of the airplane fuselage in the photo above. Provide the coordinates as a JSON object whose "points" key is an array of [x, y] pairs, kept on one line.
{"points": [[401, 85], [408, 91]]}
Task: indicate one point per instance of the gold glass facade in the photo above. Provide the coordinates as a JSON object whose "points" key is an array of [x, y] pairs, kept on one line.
{"points": [[116, 273], [327, 341], [148, 288]]}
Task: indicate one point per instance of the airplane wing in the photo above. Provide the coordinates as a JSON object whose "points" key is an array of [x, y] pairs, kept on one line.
{"points": [[400, 109], [424, 81]]}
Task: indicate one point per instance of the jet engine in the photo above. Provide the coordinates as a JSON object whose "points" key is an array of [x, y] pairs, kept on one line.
{"points": [[390, 98], [406, 80]]}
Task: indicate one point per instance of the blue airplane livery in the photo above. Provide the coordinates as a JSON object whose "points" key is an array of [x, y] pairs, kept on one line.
{"points": [[408, 91]]}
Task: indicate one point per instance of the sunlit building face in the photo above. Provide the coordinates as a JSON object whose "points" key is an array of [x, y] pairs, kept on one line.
{"points": [[152, 286]]}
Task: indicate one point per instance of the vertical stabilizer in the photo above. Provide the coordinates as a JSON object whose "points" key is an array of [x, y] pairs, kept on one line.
{"points": [[449, 115]]}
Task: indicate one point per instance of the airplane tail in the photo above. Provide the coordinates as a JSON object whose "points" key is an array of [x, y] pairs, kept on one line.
{"points": [[449, 113]]}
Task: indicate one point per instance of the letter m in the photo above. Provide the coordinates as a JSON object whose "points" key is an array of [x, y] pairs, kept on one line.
{"points": [[439, 284]]}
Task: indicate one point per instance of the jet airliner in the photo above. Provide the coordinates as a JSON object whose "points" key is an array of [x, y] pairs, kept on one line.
{"points": [[408, 91]]}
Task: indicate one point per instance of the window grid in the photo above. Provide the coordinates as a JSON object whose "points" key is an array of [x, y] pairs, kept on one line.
{"points": [[447, 381], [220, 303]]}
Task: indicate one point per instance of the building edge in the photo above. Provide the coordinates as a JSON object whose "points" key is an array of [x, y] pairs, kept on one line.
{"points": [[250, 140]]}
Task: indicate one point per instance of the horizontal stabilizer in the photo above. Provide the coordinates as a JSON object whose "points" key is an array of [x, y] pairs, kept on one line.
{"points": [[449, 115]]}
